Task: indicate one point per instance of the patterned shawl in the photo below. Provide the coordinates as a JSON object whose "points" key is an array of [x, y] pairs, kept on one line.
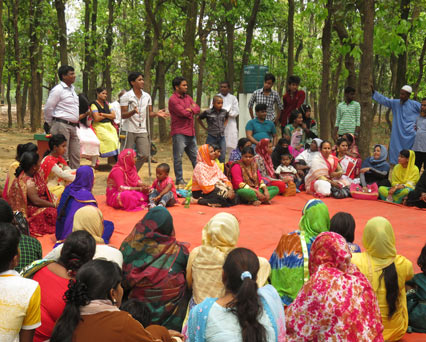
{"points": [[250, 173], [320, 167], [262, 152], [49, 162], [338, 300], [126, 165]]}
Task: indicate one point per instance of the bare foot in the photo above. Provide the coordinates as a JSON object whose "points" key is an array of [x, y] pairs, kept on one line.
{"points": [[193, 200], [214, 205], [267, 202], [256, 203]]}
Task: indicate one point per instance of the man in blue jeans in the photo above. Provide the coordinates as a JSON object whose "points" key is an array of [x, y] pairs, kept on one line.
{"points": [[182, 111]]}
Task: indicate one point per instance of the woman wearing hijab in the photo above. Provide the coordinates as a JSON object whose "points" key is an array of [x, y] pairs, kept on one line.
{"points": [[375, 169], [209, 185], [289, 262], [154, 268], [337, 300], [265, 165], [387, 273], [205, 263], [405, 176], [75, 196], [417, 197], [303, 161], [124, 187]]}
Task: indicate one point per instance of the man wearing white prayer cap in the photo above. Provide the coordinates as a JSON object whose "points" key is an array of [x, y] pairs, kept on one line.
{"points": [[405, 113]]}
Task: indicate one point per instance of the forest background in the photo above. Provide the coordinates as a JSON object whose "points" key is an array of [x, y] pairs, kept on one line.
{"points": [[330, 44]]}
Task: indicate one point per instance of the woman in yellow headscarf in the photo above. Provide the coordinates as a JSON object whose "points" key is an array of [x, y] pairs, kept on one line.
{"points": [[204, 268], [405, 176], [387, 273]]}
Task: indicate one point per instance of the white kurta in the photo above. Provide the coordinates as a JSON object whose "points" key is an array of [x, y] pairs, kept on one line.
{"points": [[230, 103]]}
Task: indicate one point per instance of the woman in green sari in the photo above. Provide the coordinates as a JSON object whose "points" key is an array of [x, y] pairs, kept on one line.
{"points": [[290, 260]]}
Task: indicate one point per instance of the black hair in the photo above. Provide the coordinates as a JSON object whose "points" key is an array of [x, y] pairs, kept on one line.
{"points": [[79, 247], [349, 138], [343, 224], [242, 142], [139, 311], [56, 140], [132, 77], [164, 166], [268, 77], [421, 261], [349, 90], [9, 241], [21, 148], [216, 97], [177, 81], [100, 89], [405, 153], [392, 289], [424, 99], [6, 212], [246, 304], [216, 147], [227, 83], [341, 140], [293, 79], [304, 108], [247, 149], [94, 280], [324, 142], [27, 161], [260, 106], [287, 155], [293, 116], [83, 103], [63, 70], [283, 141]]}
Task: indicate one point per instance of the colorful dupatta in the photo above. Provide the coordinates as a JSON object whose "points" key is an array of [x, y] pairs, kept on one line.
{"points": [[49, 162], [320, 167], [154, 266], [408, 176], [250, 174], [126, 166], [262, 152], [338, 300], [290, 260]]}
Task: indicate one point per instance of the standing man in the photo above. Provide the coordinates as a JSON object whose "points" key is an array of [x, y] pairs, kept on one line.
{"points": [[292, 99], [267, 96], [405, 113], [348, 117], [115, 106], [182, 110], [61, 113], [230, 104], [134, 105]]}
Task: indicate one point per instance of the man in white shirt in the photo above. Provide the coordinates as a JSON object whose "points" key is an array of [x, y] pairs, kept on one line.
{"points": [[134, 105], [61, 113], [115, 106]]}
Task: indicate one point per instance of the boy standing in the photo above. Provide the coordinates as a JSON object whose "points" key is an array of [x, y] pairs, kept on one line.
{"points": [[419, 146], [292, 99], [217, 119], [348, 117]]}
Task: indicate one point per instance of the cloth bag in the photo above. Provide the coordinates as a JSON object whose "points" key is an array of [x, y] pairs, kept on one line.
{"points": [[372, 192]]}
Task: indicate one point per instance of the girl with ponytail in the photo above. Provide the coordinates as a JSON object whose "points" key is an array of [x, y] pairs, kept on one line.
{"points": [[245, 313]]}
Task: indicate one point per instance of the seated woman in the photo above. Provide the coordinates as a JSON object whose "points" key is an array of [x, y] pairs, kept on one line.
{"points": [[247, 181], [92, 309], [405, 176], [303, 161], [77, 195], [125, 189], [289, 261], [294, 132], [337, 301], [309, 124], [282, 147], [375, 169], [244, 312], [90, 219], [417, 197], [236, 154], [324, 173], [205, 263], [154, 268], [57, 174], [103, 119], [29, 194], [353, 149], [387, 272], [89, 142], [53, 277], [20, 149], [209, 185], [344, 224], [347, 163], [265, 166]]}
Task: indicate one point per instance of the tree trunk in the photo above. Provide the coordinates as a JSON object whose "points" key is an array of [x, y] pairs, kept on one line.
{"points": [[325, 131], [9, 102], [349, 59], [249, 37], [87, 50], [334, 93], [2, 43], [365, 76], [93, 52], [401, 75], [421, 70], [17, 68], [62, 31], [189, 43], [164, 135], [106, 73], [290, 32], [230, 66], [24, 100]]}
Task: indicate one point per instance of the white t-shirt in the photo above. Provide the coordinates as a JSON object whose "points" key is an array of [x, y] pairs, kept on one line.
{"points": [[115, 106], [137, 122]]}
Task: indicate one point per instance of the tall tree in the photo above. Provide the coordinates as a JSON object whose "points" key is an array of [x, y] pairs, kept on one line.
{"points": [[229, 27], [109, 38], [2, 43], [191, 9], [62, 31], [290, 33], [18, 60], [401, 75]]}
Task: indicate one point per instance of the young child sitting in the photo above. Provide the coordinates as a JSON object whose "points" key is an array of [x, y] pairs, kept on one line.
{"points": [[286, 171], [163, 190]]}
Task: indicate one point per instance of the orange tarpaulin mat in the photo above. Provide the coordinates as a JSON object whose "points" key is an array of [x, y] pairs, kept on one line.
{"points": [[261, 227]]}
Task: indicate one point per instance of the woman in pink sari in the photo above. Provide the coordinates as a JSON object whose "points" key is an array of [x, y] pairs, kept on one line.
{"points": [[324, 173], [124, 187]]}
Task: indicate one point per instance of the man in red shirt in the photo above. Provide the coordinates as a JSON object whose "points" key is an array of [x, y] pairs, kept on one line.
{"points": [[182, 110], [292, 99]]}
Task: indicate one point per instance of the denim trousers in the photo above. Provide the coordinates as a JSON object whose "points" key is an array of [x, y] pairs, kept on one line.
{"points": [[183, 143]]}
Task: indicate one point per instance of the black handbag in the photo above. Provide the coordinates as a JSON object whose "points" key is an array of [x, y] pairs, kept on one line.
{"points": [[21, 223], [340, 193]]}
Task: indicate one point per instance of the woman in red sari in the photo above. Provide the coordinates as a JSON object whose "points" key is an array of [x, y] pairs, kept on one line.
{"points": [[124, 187], [30, 195]]}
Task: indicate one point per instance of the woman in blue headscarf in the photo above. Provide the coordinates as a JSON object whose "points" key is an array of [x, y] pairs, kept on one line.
{"points": [[375, 169], [75, 196]]}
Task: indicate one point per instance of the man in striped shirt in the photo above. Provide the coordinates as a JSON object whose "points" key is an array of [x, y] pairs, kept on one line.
{"points": [[348, 118]]}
